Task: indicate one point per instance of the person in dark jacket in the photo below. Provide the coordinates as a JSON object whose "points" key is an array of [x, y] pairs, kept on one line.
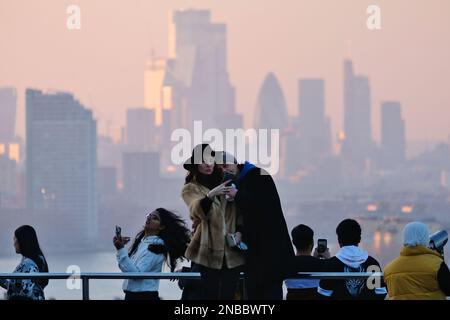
{"points": [[269, 258], [305, 289], [350, 258]]}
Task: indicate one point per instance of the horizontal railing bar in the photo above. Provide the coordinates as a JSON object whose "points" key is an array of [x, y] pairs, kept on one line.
{"points": [[98, 275], [338, 275], [175, 275]]}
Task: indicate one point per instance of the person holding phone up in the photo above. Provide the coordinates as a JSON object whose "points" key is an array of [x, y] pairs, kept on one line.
{"points": [[214, 219], [303, 240], [164, 237]]}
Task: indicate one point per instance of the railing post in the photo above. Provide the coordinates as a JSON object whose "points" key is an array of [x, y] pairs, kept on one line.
{"points": [[85, 287], [244, 288]]}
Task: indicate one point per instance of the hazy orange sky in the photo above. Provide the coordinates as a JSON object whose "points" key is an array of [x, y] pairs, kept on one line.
{"points": [[103, 63]]}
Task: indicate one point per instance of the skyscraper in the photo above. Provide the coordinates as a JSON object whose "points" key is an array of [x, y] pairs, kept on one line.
{"points": [[271, 114], [141, 129], [157, 89], [193, 83], [358, 144], [199, 48], [141, 177], [271, 108], [8, 101], [61, 160], [314, 127], [393, 146]]}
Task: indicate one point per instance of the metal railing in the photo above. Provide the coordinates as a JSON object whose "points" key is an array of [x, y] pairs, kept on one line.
{"points": [[84, 277]]}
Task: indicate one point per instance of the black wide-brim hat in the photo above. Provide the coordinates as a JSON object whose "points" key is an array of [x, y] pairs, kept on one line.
{"points": [[198, 154]]}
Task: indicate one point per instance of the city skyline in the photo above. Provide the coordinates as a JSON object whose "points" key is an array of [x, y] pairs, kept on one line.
{"points": [[377, 54], [97, 124]]}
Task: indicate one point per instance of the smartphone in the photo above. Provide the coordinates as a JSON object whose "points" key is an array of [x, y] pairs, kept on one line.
{"points": [[118, 232], [228, 176], [321, 245]]}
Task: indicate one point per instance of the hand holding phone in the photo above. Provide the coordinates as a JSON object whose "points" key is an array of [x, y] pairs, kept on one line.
{"points": [[118, 232], [321, 250], [119, 241], [228, 176], [321, 246]]}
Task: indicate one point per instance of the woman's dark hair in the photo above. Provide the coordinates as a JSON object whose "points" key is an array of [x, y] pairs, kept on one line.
{"points": [[210, 181], [29, 247], [349, 232], [176, 237], [302, 237]]}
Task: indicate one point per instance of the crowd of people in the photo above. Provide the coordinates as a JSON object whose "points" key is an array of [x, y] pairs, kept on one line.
{"points": [[238, 226]]}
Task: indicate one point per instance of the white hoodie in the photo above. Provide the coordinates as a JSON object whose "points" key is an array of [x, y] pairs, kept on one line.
{"points": [[143, 260], [352, 256]]}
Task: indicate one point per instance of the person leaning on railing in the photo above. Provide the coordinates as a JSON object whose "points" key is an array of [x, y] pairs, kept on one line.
{"points": [[419, 273], [26, 243]]}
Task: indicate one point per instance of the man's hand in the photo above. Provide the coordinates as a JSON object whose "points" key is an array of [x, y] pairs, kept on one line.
{"points": [[231, 192], [323, 255]]}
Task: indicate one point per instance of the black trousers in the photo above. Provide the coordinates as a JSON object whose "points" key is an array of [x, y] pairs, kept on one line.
{"points": [[219, 284], [144, 295]]}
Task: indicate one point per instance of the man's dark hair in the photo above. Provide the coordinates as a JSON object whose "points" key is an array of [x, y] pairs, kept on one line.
{"points": [[302, 237], [349, 232]]}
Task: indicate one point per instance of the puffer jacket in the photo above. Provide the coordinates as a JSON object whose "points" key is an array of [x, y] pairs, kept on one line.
{"points": [[414, 275]]}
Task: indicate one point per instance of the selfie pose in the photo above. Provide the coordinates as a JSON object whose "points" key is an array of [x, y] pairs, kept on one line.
{"points": [[26, 243], [165, 237], [269, 259], [214, 246]]}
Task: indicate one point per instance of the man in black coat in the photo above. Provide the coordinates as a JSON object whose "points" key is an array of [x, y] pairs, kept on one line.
{"points": [[270, 254]]}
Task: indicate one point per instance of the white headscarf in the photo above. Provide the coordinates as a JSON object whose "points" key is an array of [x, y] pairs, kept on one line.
{"points": [[416, 234]]}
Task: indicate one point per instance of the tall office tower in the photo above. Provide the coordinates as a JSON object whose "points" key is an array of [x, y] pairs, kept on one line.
{"points": [[199, 48], [158, 87], [314, 129], [271, 114], [8, 102], [61, 160], [141, 177], [393, 145], [271, 108], [358, 145], [141, 129]]}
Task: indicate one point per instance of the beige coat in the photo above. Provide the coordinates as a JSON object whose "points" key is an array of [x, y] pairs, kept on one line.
{"points": [[208, 246]]}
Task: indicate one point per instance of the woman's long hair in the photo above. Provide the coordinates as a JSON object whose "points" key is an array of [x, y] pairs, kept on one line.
{"points": [[29, 247], [176, 237], [210, 181]]}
